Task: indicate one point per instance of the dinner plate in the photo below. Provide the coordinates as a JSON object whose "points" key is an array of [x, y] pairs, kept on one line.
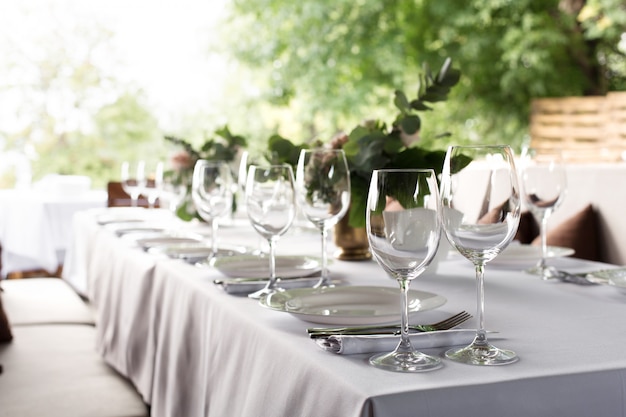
{"points": [[349, 305], [138, 228], [255, 266], [164, 240], [193, 252], [527, 255]]}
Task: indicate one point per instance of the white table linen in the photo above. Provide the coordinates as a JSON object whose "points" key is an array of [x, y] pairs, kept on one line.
{"points": [[35, 227], [208, 353]]}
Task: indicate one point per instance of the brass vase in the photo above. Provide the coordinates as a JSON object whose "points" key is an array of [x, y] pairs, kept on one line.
{"points": [[351, 242]]}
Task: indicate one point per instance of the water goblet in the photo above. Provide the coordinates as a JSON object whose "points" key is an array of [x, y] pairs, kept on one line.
{"points": [[133, 179], [544, 183], [480, 211], [271, 208], [403, 229], [173, 191], [154, 182], [323, 193], [211, 192]]}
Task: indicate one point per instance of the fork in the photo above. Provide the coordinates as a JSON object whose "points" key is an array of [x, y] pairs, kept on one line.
{"points": [[447, 324]]}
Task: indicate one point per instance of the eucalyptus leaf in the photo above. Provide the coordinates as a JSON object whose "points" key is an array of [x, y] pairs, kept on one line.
{"points": [[411, 124], [418, 105], [401, 102]]}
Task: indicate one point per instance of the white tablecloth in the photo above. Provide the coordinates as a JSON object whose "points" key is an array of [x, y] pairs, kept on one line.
{"points": [[35, 226], [193, 350]]}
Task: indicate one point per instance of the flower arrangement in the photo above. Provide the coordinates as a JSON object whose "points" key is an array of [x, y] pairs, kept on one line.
{"points": [[221, 146], [375, 145]]}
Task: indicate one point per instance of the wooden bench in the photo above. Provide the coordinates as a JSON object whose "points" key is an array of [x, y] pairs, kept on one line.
{"points": [[51, 367]]}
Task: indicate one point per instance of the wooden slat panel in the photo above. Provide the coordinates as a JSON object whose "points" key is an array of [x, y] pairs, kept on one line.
{"points": [[586, 129]]}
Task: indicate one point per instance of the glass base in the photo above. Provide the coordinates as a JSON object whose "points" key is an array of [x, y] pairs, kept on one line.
{"points": [[487, 354], [405, 361], [264, 292], [538, 270]]}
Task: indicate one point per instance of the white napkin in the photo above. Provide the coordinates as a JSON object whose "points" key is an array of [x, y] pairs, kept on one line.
{"points": [[352, 344]]}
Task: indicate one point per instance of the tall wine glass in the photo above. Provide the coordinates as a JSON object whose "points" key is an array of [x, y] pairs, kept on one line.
{"points": [[173, 191], [271, 208], [133, 179], [154, 182], [403, 229], [544, 185], [323, 193], [211, 191], [480, 212]]}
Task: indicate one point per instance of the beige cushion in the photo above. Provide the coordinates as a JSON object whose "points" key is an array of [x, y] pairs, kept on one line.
{"points": [[5, 328], [54, 370], [44, 300]]}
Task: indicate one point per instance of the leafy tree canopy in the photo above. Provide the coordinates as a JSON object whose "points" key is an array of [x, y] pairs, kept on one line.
{"points": [[343, 58]]}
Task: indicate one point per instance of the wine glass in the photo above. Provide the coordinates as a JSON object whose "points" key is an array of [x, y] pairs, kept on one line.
{"points": [[480, 212], [323, 193], [271, 208], [212, 194], [403, 229], [133, 179], [153, 173], [544, 185], [173, 191]]}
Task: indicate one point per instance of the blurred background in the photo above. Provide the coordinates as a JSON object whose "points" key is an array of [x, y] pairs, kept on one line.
{"points": [[87, 84]]}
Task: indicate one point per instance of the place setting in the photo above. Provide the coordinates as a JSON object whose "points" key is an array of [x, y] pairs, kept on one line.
{"points": [[272, 198]]}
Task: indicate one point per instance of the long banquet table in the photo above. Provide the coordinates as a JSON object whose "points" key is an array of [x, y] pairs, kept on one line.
{"points": [[191, 349]]}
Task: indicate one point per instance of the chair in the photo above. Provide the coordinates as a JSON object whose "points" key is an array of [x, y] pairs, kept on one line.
{"points": [[117, 197]]}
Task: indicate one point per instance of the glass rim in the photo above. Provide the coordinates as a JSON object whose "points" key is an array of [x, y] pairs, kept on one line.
{"points": [[414, 170]]}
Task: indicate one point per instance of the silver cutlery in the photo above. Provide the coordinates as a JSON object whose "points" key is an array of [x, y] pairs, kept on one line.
{"points": [[447, 324]]}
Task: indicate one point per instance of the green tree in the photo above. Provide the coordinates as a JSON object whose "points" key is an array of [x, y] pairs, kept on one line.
{"points": [[62, 105], [344, 58]]}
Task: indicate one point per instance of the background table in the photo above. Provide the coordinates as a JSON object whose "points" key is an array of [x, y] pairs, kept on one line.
{"points": [[193, 350], [35, 226]]}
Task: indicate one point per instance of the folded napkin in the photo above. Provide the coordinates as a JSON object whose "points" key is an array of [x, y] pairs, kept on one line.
{"points": [[352, 344]]}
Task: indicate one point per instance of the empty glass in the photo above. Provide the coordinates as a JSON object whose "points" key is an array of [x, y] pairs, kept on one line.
{"points": [[404, 228], [271, 208], [153, 172], [323, 193], [480, 212], [544, 184], [212, 194], [133, 179]]}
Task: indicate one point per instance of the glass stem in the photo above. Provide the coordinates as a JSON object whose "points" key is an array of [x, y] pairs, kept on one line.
{"points": [[214, 226], [324, 279], [481, 334], [405, 342], [544, 241], [271, 283]]}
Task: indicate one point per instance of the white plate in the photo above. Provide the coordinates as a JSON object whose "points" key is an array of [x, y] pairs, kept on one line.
{"points": [[254, 266], [161, 240], [195, 252], [527, 255], [350, 305]]}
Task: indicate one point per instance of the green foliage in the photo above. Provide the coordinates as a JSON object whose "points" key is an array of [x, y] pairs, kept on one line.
{"points": [[341, 58], [374, 145], [221, 145], [283, 151]]}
